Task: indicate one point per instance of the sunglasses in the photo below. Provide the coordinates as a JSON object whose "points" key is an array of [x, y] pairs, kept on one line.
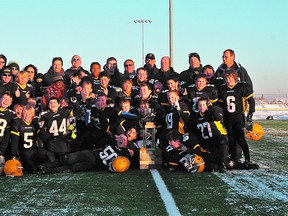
{"points": [[6, 74], [14, 68], [76, 59], [128, 65]]}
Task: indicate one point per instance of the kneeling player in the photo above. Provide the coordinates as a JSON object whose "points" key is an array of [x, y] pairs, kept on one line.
{"points": [[180, 150], [208, 126], [88, 160]]}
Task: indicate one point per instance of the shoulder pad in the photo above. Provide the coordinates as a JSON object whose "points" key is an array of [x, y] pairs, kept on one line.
{"points": [[191, 86], [43, 113], [135, 87], [154, 96], [210, 85], [181, 83], [118, 89], [152, 81], [11, 111]]}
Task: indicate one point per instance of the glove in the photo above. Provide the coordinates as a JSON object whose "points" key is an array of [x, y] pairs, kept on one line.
{"points": [[249, 123]]}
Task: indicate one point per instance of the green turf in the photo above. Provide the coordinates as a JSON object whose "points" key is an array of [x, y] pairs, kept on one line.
{"points": [[239, 192]]}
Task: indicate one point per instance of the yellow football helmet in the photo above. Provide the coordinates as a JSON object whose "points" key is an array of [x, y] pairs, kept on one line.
{"points": [[120, 164], [256, 133], [13, 168], [200, 163], [193, 163]]}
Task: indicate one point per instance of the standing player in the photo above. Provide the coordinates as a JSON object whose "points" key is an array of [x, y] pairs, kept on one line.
{"points": [[201, 89], [232, 95]]}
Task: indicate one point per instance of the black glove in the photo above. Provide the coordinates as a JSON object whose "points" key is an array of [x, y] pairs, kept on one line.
{"points": [[249, 123]]}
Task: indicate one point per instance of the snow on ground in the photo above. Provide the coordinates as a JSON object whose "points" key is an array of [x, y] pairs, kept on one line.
{"points": [[277, 115], [269, 188]]}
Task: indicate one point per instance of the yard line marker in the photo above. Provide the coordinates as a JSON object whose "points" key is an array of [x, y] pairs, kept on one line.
{"points": [[165, 194]]}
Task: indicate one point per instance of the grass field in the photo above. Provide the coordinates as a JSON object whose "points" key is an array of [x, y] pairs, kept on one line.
{"points": [[238, 192]]}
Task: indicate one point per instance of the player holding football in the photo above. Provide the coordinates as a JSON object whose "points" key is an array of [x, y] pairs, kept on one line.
{"points": [[180, 150]]}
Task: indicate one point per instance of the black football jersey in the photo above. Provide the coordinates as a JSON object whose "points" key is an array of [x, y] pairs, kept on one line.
{"points": [[24, 135], [55, 124], [210, 92], [232, 98], [6, 117], [100, 118], [209, 124], [112, 151], [175, 120]]}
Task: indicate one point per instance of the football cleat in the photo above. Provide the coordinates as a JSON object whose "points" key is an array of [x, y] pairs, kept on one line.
{"points": [[13, 168], [222, 168], [194, 163], [120, 164], [256, 133], [250, 165]]}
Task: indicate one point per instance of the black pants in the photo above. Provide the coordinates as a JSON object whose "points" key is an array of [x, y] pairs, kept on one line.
{"points": [[234, 126], [79, 161]]}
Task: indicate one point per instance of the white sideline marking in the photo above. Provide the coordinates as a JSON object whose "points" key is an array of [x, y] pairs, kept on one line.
{"points": [[166, 196]]}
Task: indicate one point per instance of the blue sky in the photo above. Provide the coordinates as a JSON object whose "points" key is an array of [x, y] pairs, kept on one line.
{"points": [[35, 31]]}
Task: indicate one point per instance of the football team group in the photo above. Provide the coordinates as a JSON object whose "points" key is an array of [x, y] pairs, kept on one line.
{"points": [[77, 120]]}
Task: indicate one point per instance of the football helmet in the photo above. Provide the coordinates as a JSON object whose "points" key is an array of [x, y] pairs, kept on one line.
{"points": [[13, 168], [256, 133], [2, 162], [194, 163], [120, 164]]}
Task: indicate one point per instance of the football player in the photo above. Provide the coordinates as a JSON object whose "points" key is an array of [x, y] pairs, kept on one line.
{"points": [[231, 96], [201, 89], [176, 117], [179, 149], [54, 128], [6, 117], [100, 119], [24, 138], [207, 124], [22, 90], [87, 160]]}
